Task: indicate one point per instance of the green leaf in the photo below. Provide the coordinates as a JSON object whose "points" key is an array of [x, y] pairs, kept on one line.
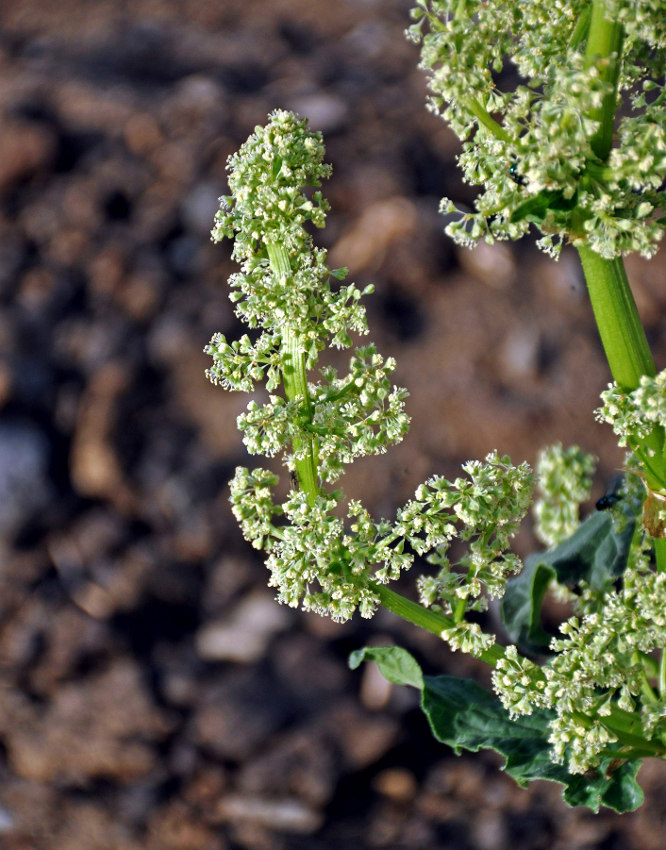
{"points": [[521, 606], [465, 716], [595, 553], [395, 664]]}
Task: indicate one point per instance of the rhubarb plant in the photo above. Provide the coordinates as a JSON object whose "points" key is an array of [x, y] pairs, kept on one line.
{"points": [[560, 111]]}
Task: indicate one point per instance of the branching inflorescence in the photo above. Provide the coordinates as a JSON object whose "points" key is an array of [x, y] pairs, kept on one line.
{"points": [[532, 90], [317, 558]]}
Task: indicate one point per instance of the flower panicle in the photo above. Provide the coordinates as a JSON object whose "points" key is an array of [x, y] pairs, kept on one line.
{"points": [[530, 144]]}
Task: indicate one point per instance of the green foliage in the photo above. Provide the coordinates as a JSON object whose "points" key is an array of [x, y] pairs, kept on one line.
{"points": [[591, 559], [465, 716], [522, 603]]}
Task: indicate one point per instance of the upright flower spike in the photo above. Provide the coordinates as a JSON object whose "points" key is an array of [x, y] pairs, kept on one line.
{"points": [[286, 290], [284, 280], [284, 287], [267, 177]]}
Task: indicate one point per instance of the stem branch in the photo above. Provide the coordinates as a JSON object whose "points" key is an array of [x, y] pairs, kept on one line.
{"points": [[483, 117], [427, 619], [294, 377]]}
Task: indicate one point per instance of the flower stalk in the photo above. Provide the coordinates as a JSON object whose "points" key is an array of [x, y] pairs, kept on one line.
{"points": [[295, 382]]}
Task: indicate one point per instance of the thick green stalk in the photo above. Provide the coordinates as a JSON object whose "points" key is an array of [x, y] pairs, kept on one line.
{"points": [[619, 324], [628, 355], [617, 318], [294, 378], [427, 619], [625, 344]]}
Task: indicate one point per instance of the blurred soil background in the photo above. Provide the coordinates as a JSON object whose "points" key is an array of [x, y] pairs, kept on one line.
{"points": [[153, 696]]}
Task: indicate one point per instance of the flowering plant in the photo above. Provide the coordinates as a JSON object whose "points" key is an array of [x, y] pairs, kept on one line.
{"points": [[533, 90]]}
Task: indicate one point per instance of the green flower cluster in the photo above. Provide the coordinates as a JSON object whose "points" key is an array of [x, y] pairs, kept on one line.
{"points": [[351, 417], [634, 415], [488, 506], [597, 683], [598, 669], [331, 567], [564, 478], [529, 99], [643, 20], [317, 556], [284, 281]]}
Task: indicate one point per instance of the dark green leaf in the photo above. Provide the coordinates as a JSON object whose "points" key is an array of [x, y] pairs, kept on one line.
{"points": [[595, 553], [466, 717], [521, 606]]}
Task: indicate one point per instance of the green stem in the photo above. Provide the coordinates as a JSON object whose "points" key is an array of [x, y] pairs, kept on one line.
{"points": [[625, 344], [604, 48], [294, 378], [660, 555], [581, 28], [626, 726], [649, 695], [619, 324], [427, 619], [484, 118], [662, 675]]}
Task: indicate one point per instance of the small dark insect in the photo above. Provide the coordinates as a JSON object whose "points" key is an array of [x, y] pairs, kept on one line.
{"points": [[517, 178], [606, 502], [293, 480], [613, 495]]}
